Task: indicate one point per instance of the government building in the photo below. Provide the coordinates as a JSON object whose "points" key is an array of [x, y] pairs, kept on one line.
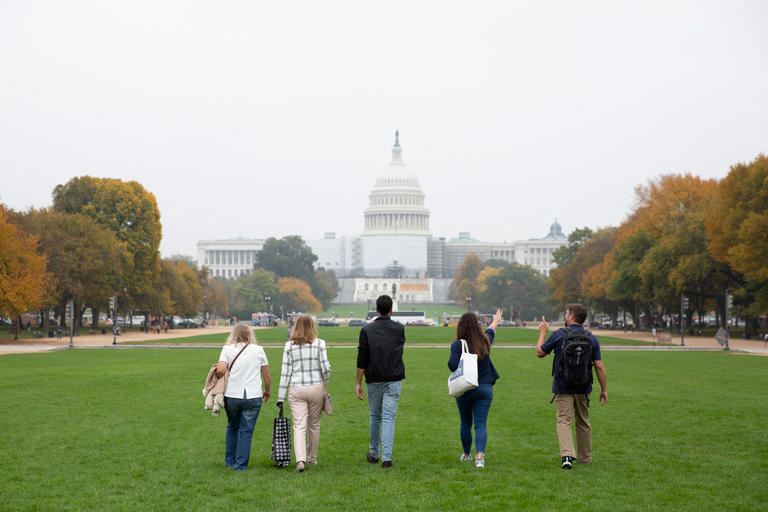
{"points": [[396, 247]]}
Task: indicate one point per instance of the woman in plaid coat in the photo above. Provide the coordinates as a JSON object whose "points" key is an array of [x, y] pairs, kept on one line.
{"points": [[303, 378]]}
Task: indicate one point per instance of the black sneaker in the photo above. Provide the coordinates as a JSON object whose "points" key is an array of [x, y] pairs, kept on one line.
{"points": [[567, 462], [370, 458], [386, 464]]}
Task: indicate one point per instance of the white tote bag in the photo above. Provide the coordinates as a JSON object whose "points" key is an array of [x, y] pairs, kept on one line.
{"points": [[465, 376]]}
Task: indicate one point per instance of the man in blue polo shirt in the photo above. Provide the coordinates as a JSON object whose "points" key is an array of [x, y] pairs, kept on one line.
{"points": [[572, 401]]}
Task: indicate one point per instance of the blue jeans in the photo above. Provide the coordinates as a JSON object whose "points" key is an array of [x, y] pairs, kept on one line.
{"points": [[382, 401], [474, 403], [241, 415]]}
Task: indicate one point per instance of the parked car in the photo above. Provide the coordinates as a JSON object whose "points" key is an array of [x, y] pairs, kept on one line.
{"points": [[325, 322], [356, 322], [188, 324], [506, 323], [418, 324]]}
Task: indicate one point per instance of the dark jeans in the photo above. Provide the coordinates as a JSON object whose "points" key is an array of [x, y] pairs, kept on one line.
{"points": [[474, 404], [241, 415]]}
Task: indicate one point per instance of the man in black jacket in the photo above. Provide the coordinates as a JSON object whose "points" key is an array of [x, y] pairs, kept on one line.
{"points": [[380, 358]]}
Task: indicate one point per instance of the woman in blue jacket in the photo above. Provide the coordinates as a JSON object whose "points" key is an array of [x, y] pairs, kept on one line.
{"points": [[475, 403]]}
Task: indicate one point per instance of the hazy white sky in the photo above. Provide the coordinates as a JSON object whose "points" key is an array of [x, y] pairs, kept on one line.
{"points": [[260, 119]]}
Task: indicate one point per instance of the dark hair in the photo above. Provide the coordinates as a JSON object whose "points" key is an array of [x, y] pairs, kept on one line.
{"points": [[579, 312], [384, 304], [468, 329]]}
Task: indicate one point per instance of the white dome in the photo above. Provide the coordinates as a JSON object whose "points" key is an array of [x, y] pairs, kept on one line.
{"points": [[396, 205], [396, 175]]}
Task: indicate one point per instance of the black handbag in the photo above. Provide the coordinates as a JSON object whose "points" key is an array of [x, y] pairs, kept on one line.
{"points": [[281, 440]]}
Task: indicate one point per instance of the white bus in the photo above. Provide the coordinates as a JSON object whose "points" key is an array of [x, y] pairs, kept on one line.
{"points": [[404, 317]]}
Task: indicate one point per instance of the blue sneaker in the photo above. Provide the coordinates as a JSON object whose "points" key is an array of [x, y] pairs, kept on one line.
{"points": [[567, 462]]}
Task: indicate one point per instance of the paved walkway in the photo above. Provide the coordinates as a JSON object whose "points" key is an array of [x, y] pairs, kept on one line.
{"points": [[126, 341]]}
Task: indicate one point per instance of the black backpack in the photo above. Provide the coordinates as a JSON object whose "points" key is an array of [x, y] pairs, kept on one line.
{"points": [[575, 359]]}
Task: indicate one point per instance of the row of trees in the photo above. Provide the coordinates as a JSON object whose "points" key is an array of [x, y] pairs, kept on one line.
{"points": [[685, 236], [284, 279], [100, 238], [486, 286]]}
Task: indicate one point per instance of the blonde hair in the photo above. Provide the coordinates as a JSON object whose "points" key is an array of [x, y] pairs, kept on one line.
{"points": [[303, 330], [241, 333]]}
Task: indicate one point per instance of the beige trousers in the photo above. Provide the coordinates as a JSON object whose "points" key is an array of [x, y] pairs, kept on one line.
{"points": [[306, 406], [570, 407]]}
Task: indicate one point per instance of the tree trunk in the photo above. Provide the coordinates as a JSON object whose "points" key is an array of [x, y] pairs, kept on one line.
{"points": [[95, 321], [16, 322]]}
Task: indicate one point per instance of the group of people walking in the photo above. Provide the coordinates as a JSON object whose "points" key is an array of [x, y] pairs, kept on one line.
{"points": [[306, 371]]}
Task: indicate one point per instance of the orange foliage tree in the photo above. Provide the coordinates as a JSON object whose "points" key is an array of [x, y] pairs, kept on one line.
{"points": [[295, 293], [22, 271]]}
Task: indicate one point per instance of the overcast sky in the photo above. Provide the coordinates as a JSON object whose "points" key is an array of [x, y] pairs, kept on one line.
{"points": [[261, 119]]}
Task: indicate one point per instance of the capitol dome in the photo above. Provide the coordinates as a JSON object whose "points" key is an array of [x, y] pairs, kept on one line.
{"points": [[396, 205]]}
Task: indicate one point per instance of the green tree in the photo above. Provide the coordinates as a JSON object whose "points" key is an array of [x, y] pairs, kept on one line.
{"points": [[287, 257], [515, 289], [86, 262], [184, 291], [251, 292]]}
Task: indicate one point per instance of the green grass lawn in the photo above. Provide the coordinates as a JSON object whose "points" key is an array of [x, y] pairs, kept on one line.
{"points": [[414, 335], [126, 430]]}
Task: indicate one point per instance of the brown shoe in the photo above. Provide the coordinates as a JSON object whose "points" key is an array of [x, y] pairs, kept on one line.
{"points": [[299, 467]]}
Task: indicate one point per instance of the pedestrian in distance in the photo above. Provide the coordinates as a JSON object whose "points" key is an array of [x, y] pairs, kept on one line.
{"points": [[576, 352], [304, 376], [243, 397], [380, 359], [475, 404]]}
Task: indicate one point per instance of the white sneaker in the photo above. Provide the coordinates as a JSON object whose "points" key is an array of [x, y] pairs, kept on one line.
{"points": [[479, 463], [465, 457]]}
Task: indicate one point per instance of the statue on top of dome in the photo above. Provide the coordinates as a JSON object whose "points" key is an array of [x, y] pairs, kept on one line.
{"points": [[397, 138]]}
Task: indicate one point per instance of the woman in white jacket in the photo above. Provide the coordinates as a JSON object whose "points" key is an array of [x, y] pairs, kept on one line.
{"points": [[248, 366], [304, 375]]}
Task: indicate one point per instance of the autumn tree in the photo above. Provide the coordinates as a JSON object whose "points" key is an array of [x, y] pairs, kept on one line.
{"points": [[465, 282], [660, 250], [131, 213], [737, 228], [296, 294], [23, 272]]}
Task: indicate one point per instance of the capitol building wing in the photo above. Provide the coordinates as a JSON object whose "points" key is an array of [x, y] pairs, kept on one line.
{"points": [[396, 244]]}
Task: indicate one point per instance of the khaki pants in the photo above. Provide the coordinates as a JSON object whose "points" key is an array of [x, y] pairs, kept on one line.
{"points": [[568, 407], [306, 406]]}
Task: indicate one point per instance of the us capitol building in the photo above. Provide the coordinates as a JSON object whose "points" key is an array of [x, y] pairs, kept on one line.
{"points": [[396, 247]]}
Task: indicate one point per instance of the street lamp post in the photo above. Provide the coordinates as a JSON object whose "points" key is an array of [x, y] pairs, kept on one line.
{"points": [[205, 309], [469, 299]]}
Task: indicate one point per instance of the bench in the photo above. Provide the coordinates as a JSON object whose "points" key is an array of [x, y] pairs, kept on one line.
{"points": [[37, 334]]}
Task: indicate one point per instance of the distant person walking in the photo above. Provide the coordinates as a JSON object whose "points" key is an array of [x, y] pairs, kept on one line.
{"points": [[243, 397], [475, 403], [573, 400], [380, 359], [305, 373]]}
